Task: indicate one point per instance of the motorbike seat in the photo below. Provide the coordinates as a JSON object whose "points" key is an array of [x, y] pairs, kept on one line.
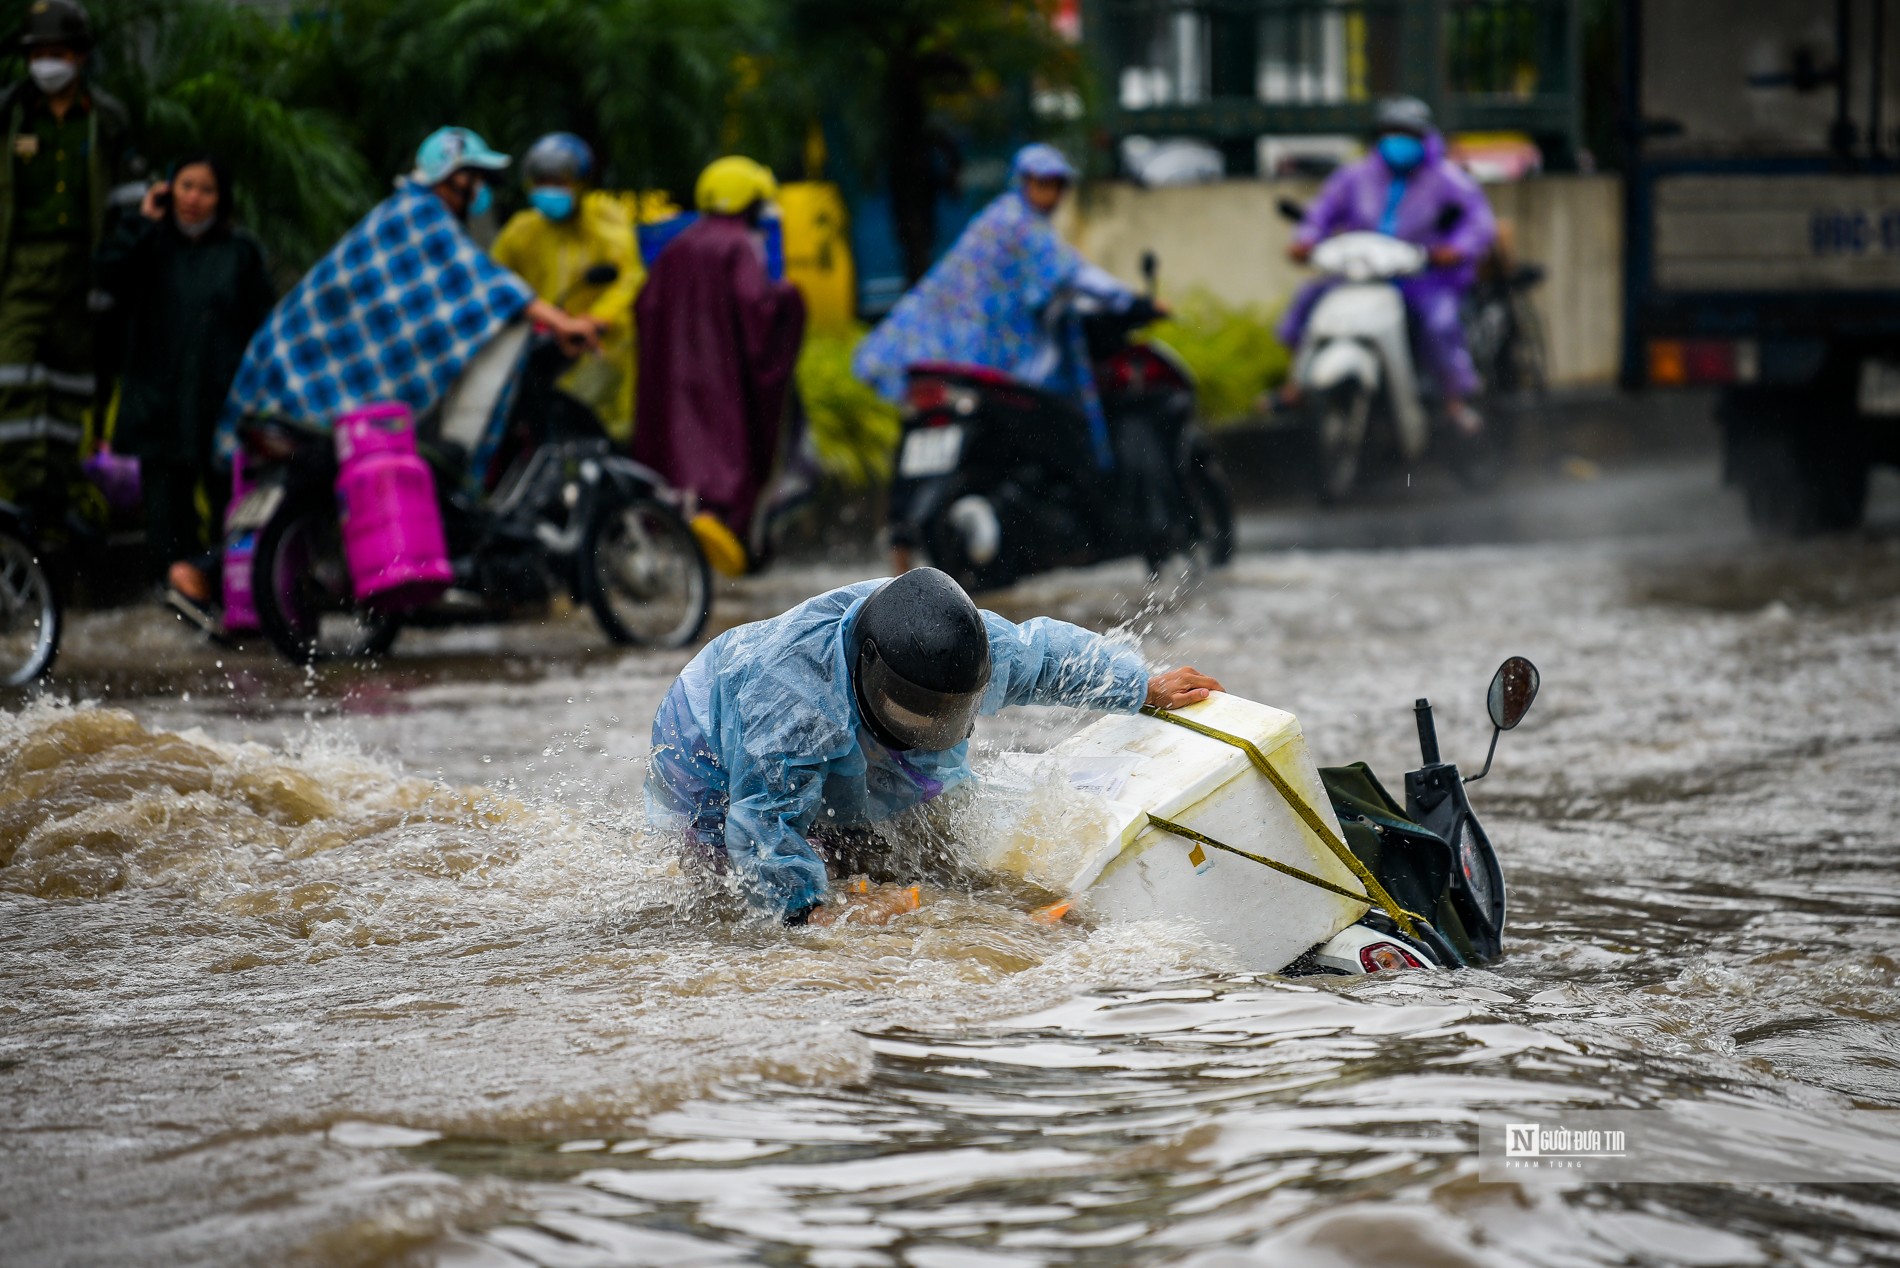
{"points": [[981, 374], [1005, 390]]}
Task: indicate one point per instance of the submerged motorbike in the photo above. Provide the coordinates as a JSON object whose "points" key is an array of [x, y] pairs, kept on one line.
{"points": [[1432, 855], [1358, 376], [997, 480], [540, 505]]}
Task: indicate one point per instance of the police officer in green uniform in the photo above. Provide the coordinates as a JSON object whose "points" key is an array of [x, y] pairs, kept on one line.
{"points": [[65, 146]]}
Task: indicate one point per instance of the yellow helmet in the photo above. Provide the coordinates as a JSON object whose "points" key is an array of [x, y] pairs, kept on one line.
{"points": [[731, 184]]}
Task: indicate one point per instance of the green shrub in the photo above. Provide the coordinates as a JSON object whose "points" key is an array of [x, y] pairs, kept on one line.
{"points": [[1231, 349], [854, 429]]}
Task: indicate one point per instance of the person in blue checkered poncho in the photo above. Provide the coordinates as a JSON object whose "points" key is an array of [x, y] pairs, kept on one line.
{"points": [[398, 307]]}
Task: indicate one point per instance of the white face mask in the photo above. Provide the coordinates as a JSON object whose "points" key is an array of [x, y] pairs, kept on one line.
{"points": [[51, 74]]}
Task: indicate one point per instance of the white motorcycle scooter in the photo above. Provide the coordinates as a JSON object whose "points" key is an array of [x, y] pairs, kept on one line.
{"points": [[1354, 365]]}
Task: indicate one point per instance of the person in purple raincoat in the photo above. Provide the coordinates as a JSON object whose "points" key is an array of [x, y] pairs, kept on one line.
{"points": [[1405, 188]]}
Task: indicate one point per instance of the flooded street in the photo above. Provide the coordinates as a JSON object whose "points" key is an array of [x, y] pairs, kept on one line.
{"points": [[375, 965]]}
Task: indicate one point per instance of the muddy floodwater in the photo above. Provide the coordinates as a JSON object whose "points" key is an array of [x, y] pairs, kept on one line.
{"points": [[376, 965]]}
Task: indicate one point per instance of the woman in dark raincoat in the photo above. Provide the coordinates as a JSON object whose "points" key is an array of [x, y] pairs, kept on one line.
{"points": [[718, 343], [192, 289]]}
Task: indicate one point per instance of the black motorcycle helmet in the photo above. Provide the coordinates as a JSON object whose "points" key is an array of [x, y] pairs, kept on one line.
{"points": [[921, 662]]}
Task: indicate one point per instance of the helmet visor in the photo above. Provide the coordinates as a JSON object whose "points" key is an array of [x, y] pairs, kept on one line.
{"points": [[916, 717]]}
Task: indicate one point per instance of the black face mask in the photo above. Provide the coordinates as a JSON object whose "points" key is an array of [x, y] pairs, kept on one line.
{"points": [[906, 716]]}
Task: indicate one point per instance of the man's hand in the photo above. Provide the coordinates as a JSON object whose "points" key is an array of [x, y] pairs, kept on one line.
{"points": [[1445, 257], [1299, 252], [578, 335], [867, 904], [575, 334], [1180, 686]]}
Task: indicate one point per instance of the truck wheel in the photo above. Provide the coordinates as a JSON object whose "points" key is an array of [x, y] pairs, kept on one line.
{"points": [[1797, 490]]}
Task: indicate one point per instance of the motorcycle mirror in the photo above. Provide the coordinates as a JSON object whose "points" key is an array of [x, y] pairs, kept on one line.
{"points": [[1150, 267], [601, 275], [1513, 688], [1290, 210]]}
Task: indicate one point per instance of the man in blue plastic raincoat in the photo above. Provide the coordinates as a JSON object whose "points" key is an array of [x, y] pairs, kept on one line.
{"points": [[852, 708]]}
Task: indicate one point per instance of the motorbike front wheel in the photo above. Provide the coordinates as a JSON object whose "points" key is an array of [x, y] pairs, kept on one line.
{"points": [[1479, 461], [30, 613], [1344, 413], [643, 574], [305, 600]]}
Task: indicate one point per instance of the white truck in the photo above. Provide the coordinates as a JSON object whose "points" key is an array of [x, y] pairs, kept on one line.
{"points": [[1763, 231]]}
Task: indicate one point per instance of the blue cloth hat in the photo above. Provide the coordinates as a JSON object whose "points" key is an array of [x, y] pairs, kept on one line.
{"points": [[448, 150], [1043, 162]]}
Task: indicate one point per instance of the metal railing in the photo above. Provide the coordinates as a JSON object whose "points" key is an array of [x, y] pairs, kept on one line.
{"points": [[1223, 69]]}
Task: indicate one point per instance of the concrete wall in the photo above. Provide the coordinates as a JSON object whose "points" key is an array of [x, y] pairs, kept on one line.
{"points": [[1228, 239]]}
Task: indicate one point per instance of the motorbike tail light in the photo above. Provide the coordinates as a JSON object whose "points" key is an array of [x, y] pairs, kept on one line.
{"points": [[939, 399], [928, 394], [1387, 955], [1138, 369]]}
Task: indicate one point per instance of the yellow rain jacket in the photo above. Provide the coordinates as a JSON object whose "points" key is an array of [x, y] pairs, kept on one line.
{"points": [[551, 257]]}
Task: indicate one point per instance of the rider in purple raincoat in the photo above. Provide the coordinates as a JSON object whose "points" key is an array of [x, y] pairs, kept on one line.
{"points": [[1403, 188]]}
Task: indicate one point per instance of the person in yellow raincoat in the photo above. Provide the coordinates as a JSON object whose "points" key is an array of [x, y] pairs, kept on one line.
{"points": [[568, 229]]}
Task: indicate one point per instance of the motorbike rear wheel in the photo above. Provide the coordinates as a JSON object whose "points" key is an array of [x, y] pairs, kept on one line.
{"points": [[31, 615], [1210, 504], [643, 574], [305, 600]]}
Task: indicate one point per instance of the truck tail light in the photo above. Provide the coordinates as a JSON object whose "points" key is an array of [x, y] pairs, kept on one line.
{"points": [[1694, 362], [1387, 955]]}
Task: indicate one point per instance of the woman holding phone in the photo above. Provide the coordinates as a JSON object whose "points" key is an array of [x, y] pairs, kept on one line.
{"points": [[193, 289]]}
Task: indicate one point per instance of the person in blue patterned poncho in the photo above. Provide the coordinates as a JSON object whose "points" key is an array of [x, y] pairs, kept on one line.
{"points": [[998, 299], [989, 300], [398, 307]]}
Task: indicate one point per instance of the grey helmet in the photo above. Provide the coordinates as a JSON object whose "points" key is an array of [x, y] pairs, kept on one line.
{"points": [[559, 158], [1402, 114]]}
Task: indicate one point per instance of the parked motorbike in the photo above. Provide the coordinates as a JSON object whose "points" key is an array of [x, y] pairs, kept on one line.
{"points": [[1357, 374], [1433, 856], [1506, 336], [997, 480], [31, 610], [552, 509]]}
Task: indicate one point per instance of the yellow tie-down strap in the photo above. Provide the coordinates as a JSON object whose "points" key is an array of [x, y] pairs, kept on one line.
{"points": [[1375, 892]]}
